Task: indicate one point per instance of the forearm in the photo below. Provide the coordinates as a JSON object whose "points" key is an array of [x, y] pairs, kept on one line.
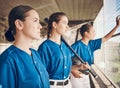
{"points": [[109, 35]]}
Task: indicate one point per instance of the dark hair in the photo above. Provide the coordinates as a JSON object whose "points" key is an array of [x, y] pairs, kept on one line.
{"points": [[82, 30], [18, 12], [55, 17]]}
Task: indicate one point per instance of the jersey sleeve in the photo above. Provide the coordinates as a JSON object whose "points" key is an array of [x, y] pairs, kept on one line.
{"points": [[96, 44], [7, 76], [44, 57]]}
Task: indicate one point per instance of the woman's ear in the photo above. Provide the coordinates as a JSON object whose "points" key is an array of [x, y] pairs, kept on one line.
{"points": [[54, 25], [19, 24], [85, 33]]}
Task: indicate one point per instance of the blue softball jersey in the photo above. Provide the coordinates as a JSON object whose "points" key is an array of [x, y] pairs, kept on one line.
{"points": [[86, 52], [21, 70], [56, 58]]}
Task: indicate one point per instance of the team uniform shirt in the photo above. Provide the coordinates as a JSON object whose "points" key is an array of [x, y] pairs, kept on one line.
{"points": [[86, 52], [20, 70], [56, 58]]}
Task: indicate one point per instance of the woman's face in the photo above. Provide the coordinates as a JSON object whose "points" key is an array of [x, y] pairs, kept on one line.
{"points": [[32, 25], [62, 25]]}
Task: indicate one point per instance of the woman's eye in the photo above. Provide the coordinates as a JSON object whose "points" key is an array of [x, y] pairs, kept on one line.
{"points": [[64, 22], [35, 20]]}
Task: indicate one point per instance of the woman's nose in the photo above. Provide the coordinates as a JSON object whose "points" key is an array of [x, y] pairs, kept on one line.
{"points": [[40, 26], [67, 27]]}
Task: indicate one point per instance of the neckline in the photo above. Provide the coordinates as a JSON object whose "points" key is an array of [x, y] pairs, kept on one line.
{"points": [[55, 42], [84, 43], [23, 50]]}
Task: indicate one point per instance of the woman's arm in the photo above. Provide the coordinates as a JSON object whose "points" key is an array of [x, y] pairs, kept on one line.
{"points": [[109, 35]]}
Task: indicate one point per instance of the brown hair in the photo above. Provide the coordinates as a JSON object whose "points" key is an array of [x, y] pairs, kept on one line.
{"points": [[18, 12]]}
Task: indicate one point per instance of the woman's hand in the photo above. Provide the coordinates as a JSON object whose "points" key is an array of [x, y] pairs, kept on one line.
{"points": [[75, 71], [118, 20], [84, 66]]}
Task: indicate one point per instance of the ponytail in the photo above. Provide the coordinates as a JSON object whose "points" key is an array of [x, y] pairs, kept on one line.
{"points": [[9, 35], [49, 27], [77, 33]]}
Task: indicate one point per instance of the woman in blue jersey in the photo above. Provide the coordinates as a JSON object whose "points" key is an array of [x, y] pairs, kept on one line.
{"points": [[20, 65], [85, 48], [55, 54]]}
